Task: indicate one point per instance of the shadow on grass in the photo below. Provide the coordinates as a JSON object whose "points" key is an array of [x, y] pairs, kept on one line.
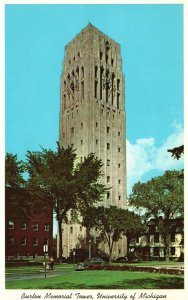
{"points": [[157, 283]]}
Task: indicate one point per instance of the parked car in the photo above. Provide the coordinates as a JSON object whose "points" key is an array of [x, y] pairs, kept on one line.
{"points": [[89, 262], [121, 259]]}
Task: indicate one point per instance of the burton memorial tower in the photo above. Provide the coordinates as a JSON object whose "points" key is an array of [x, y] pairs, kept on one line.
{"points": [[92, 118]]}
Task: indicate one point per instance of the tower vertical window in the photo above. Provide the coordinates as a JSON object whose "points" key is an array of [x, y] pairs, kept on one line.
{"points": [[71, 229], [118, 98], [82, 89], [101, 76], [108, 162], [96, 83], [101, 54], [118, 84], [108, 179], [82, 70], [108, 146], [81, 142], [108, 129], [119, 149]]}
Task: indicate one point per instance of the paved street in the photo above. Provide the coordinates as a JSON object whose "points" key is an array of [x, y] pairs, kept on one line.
{"points": [[49, 274]]}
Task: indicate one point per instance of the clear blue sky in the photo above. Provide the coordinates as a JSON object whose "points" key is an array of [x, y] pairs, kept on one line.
{"points": [[151, 39]]}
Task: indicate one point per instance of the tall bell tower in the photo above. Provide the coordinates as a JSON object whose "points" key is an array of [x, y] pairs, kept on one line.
{"points": [[92, 117]]}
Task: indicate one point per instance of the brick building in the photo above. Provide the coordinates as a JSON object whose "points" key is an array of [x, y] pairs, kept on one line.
{"points": [[25, 238]]}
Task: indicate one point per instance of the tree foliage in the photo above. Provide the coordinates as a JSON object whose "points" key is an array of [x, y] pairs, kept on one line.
{"points": [[14, 169], [161, 198], [55, 177], [177, 151], [112, 223]]}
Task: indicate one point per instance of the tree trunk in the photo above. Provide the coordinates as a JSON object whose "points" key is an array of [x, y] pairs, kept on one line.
{"points": [[167, 244], [60, 240]]}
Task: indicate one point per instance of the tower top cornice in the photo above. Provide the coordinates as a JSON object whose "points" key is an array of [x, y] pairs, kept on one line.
{"points": [[93, 29]]}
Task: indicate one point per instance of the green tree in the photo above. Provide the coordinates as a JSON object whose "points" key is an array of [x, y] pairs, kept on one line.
{"points": [[16, 196], [14, 169], [112, 223], [66, 186], [177, 151], [161, 198]]}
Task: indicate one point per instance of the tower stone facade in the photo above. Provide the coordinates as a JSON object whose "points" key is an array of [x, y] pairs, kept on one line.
{"points": [[92, 117]]}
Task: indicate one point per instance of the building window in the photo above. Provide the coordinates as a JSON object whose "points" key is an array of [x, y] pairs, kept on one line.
{"points": [[118, 133], [11, 241], [46, 241], [101, 54], [81, 125], [71, 229], [96, 142], [119, 165], [108, 146], [36, 227], [96, 124], [23, 226], [119, 149], [172, 250], [156, 251], [35, 242], [119, 197], [156, 237], [119, 251], [81, 142], [108, 162], [137, 239], [119, 181], [72, 130], [108, 129], [112, 62], [108, 179], [148, 238], [80, 228], [23, 241], [10, 225], [108, 195], [172, 237], [46, 227]]}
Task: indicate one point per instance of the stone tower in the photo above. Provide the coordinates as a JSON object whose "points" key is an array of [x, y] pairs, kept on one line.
{"points": [[92, 117]]}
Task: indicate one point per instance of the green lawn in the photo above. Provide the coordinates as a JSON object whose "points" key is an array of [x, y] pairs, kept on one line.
{"points": [[102, 280]]}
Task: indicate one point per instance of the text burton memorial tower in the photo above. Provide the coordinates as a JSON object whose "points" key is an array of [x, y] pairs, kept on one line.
{"points": [[92, 117]]}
